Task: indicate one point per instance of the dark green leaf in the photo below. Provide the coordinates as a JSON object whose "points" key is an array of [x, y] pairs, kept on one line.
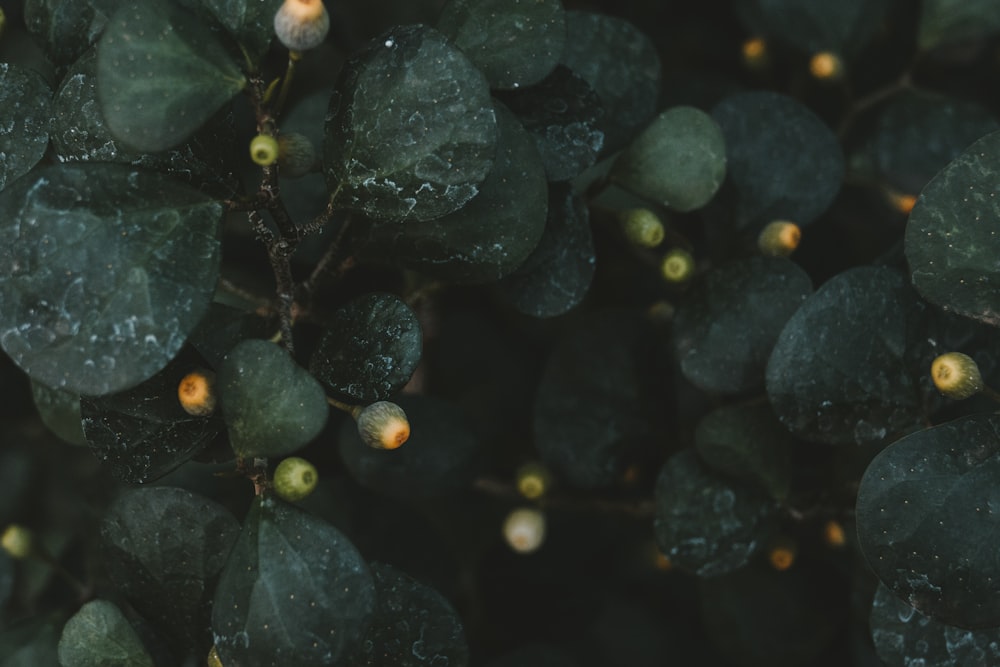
{"points": [[60, 411], [844, 28], [839, 372], [440, 457], [487, 238], [31, 643], [588, 410], [952, 21], [222, 328], [557, 274], [99, 635], [137, 258], [413, 625], [925, 520], [25, 101], [748, 442], [250, 22], [271, 404], [143, 433], [410, 132], [726, 326], [621, 64], [563, 114], [903, 636], [163, 548], [161, 73], [784, 163], [951, 241], [369, 350], [67, 28], [515, 43], [678, 161], [295, 591], [707, 523]]}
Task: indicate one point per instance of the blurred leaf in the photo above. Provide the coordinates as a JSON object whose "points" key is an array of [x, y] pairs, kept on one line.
{"points": [[515, 43], [369, 350], [678, 161], [143, 433], [748, 442], [557, 275], [25, 101], [413, 625], [440, 457], [67, 28], [272, 405], [726, 326], [487, 238], [60, 412], [410, 132], [925, 520], [250, 22], [137, 259], [704, 522], [588, 413], [163, 548], [161, 73], [621, 64], [562, 113], [294, 591], [99, 635], [30, 643], [839, 371], [902, 636], [951, 244], [952, 21], [784, 163]]}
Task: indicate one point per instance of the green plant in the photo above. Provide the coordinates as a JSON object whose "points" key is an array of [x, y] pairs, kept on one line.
{"points": [[474, 255]]}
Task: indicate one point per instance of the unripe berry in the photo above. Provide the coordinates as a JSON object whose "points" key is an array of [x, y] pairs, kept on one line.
{"points": [[533, 480], [383, 425], [642, 227], [295, 478], [17, 541], [524, 530], [296, 154], [677, 266], [301, 24], [264, 149], [956, 375], [779, 239], [196, 393]]}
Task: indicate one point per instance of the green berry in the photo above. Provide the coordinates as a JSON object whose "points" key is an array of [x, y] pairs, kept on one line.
{"points": [[264, 149], [677, 266], [956, 375], [301, 24], [295, 478], [642, 227], [17, 541]]}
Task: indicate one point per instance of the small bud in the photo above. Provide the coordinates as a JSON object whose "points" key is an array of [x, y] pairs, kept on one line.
{"points": [[301, 24], [196, 393], [833, 534], [779, 239], [782, 554], [296, 154], [264, 149], [677, 266], [295, 478], [17, 541], [524, 530], [755, 53], [213, 659], [533, 480], [642, 227], [826, 66], [956, 375], [383, 425]]}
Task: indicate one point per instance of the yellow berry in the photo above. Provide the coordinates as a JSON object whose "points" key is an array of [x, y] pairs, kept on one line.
{"points": [[213, 658], [779, 239], [826, 66], [264, 149], [833, 534], [295, 478], [677, 266], [196, 393], [296, 154], [533, 480], [301, 24], [782, 554], [524, 530], [17, 541], [642, 227], [755, 52], [383, 425], [956, 375]]}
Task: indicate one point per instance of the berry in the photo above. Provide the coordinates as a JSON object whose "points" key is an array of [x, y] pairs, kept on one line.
{"points": [[826, 66], [383, 425], [782, 554], [677, 266], [533, 480], [17, 541], [642, 227], [524, 530], [834, 535], [296, 154], [301, 24], [295, 478], [196, 393], [779, 239], [956, 375], [755, 53], [264, 149]]}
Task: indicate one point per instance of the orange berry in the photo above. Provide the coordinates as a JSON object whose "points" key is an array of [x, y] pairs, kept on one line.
{"points": [[383, 425], [196, 393]]}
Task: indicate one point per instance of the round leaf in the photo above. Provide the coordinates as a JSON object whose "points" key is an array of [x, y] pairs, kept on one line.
{"points": [[271, 404], [25, 100], [926, 521], [105, 272], [410, 132], [514, 42], [294, 591], [67, 28], [251, 22], [60, 411], [99, 635], [951, 244], [161, 73], [679, 160]]}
